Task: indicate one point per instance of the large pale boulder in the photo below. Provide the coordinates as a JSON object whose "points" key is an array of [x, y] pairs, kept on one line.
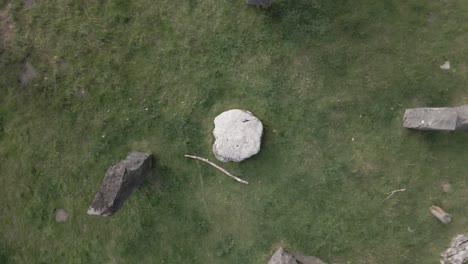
{"points": [[120, 181], [458, 251], [238, 135]]}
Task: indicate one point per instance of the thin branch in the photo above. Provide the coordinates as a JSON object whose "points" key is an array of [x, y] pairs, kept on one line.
{"points": [[217, 167], [392, 193]]}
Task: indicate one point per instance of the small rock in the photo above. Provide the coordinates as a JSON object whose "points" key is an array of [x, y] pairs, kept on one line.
{"points": [[29, 74], [238, 135], [281, 256], [60, 215], [120, 182], [260, 3], [458, 251], [446, 187], [445, 66]]}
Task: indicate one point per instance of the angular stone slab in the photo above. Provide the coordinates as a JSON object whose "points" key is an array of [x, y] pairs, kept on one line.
{"points": [[431, 118], [120, 181]]}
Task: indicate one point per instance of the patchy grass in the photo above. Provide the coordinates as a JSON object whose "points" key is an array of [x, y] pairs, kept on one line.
{"points": [[317, 73]]}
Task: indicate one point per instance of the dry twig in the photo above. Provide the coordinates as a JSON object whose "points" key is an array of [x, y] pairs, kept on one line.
{"points": [[217, 167], [392, 193]]}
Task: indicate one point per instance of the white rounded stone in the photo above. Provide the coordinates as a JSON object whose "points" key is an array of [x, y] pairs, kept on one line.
{"points": [[238, 135]]}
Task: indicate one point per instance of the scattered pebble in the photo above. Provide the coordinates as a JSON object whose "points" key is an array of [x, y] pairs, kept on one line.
{"points": [[445, 66], [446, 187], [60, 215]]}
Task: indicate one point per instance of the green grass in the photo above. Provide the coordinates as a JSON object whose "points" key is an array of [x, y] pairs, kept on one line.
{"points": [[317, 73]]}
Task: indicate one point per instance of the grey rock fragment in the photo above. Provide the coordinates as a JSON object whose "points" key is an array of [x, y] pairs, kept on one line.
{"points": [[120, 182], [281, 256], [61, 215]]}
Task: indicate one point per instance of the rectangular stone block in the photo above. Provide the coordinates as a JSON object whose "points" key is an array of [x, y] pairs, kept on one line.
{"points": [[443, 118]]}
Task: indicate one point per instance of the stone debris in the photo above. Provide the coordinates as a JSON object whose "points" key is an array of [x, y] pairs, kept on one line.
{"points": [[445, 66], [28, 74], [446, 187], [458, 251], [120, 182], [61, 215]]}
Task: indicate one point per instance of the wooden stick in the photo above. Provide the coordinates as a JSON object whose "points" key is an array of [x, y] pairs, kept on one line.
{"points": [[392, 193], [440, 214], [217, 167]]}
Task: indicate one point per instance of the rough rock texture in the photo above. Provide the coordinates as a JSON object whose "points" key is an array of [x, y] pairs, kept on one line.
{"points": [[281, 256], [300, 258], [462, 114], [238, 135], [444, 118], [430, 118], [120, 182], [259, 3], [60, 215], [458, 251]]}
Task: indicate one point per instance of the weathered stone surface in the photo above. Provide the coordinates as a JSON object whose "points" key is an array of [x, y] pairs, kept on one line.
{"points": [[300, 258], [281, 256], [430, 118], [444, 118], [458, 251], [60, 215], [462, 114], [259, 3], [238, 135], [120, 182]]}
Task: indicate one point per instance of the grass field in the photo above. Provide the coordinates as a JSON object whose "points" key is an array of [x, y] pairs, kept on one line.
{"points": [[329, 79]]}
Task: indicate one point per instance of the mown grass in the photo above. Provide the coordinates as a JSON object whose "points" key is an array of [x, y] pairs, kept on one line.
{"points": [[317, 73]]}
